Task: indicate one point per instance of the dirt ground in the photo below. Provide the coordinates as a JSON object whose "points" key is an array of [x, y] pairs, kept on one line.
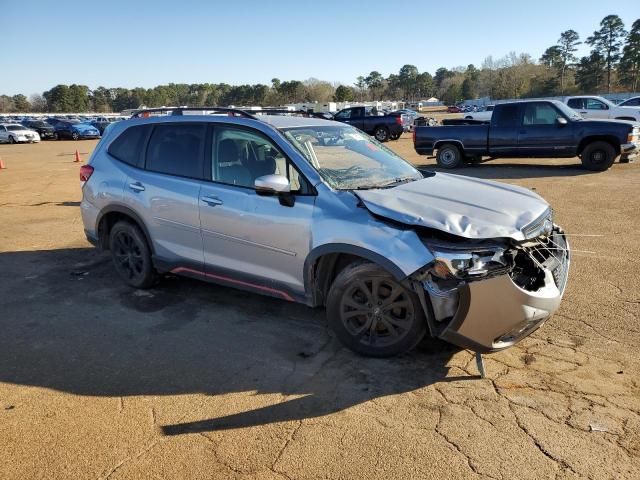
{"points": [[191, 380]]}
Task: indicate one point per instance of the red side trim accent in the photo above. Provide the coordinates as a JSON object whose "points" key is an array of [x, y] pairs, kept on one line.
{"points": [[282, 294]]}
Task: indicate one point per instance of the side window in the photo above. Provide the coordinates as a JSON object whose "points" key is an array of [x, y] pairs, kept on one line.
{"points": [[593, 104], [128, 146], [539, 114], [633, 103], [343, 115], [177, 149], [576, 103], [357, 112], [507, 116], [240, 156]]}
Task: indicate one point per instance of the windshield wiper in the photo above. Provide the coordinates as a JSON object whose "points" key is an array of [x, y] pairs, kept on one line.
{"points": [[397, 181]]}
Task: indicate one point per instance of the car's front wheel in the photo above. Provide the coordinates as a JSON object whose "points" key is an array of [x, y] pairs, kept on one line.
{"points": [[11, 139], [381, 134], [131, 255], [75, 135], [373, 314], [598, 156]]}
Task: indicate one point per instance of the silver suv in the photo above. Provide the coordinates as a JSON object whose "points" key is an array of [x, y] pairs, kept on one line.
{"points": [[315, 211]]}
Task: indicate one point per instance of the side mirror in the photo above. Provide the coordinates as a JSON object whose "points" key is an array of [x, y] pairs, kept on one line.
{"points": [[272, 184], [561, 121]]}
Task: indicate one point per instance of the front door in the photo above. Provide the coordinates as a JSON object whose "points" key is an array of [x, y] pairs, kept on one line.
{"points": [[258, 242], [542, 134]]}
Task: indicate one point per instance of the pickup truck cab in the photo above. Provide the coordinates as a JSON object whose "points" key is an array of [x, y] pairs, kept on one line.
{"points": [[532, 128], [373, 122], [599, 107]]}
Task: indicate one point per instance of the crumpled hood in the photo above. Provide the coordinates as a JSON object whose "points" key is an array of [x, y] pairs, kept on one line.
{"points": [[463, 206]]}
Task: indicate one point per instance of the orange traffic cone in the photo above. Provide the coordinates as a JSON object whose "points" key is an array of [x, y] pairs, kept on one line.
{"points": [[2, 167], [77, 157]]}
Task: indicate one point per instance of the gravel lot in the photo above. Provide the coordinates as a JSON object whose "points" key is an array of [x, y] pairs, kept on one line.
{"points": [[190, 380]]}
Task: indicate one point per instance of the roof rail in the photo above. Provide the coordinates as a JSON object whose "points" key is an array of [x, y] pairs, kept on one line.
{"points": [[145, 112]]}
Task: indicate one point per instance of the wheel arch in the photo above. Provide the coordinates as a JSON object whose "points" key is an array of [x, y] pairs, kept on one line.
{"points": [[441, 143], [112, 214], [324, 262], [610, 139], [630, 119]]}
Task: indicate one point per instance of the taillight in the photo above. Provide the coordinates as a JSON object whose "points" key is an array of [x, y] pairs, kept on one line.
{"points": [[399, 119], [85, 173]]}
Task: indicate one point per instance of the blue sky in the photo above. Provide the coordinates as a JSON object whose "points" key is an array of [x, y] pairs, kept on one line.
{"points": [[146, 43]]}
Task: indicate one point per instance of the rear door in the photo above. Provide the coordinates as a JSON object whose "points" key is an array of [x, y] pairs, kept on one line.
{"points": [[503, 130], [541, 134], [165, 192], [250, 240], [596, 109]]}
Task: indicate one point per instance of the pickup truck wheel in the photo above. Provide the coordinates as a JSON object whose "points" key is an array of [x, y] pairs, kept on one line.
{"points": [[449, 156], [381, 134], [373, 314], [598, 156]]}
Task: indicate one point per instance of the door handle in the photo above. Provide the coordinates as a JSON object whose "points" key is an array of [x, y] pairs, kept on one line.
{"points": [[212, 201], [136, 187]]}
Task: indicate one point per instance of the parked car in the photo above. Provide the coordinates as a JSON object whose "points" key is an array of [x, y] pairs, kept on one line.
{"points": [[16, 133], [75, 130], [345, 223], [454, 109], [532, 128], [369, 120], [43, 128], [630, 102], [482, 114], [101, 123], [599, 107]]}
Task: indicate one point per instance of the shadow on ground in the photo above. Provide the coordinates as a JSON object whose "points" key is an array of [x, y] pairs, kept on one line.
{"points": [[69, 324], [500, 171]]}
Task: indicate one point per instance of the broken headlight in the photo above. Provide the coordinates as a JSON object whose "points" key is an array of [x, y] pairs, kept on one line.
{"points": [[468, 264]]}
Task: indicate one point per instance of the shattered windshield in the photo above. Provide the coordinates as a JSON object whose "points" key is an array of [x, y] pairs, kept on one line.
{"points": [[347, 158]]}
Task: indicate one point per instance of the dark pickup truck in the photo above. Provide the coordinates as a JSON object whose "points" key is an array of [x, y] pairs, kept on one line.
{"points": [[532, 128], [369, 120]]}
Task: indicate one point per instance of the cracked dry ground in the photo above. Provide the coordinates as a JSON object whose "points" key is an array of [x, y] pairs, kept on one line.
{"points": [[196, 381]]}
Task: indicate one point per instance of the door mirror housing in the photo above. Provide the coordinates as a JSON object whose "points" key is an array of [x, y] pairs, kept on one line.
{"points": [[562, 121], [272, 184]]}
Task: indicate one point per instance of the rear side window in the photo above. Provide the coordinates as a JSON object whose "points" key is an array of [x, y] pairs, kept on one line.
{"points": [[506, 116], [540, 114], [128, 146], [575, 102], [177, 149]]}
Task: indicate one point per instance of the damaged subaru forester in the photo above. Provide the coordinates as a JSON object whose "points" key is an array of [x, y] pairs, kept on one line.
{"points": [[318, 212]]}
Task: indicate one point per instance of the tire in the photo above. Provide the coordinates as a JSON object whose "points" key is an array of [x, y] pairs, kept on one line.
{"points": [[598, 156], [395, 136], [131, 255], [361, 312], [75, 135], [381, 134], [12, 140], [449, 156], [56, 136]]}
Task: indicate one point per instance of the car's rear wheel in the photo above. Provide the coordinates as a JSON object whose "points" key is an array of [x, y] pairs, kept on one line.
{"points": [[373, 314], [395, 136], [598, 156], [11, 139], [449, 156], [56, 136], [381, 134], [131, 255], [75, 135]]}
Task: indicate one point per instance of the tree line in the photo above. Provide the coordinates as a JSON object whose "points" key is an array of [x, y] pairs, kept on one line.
{"points": [[613, 64]]}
